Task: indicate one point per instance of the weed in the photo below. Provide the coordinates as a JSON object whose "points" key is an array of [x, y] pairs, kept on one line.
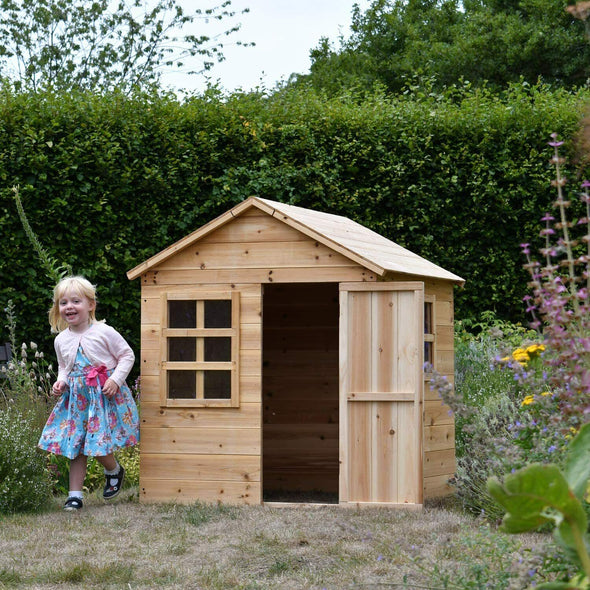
{"points": [[199, 513], [9, 578], [89, 574]]}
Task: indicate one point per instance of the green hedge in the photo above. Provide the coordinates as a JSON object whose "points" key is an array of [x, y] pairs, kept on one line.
{"points": [[109, 181]]}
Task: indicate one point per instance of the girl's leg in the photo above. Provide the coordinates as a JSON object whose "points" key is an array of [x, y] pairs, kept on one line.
{"points": [[114, 474], [108, 462], [78, 472]]}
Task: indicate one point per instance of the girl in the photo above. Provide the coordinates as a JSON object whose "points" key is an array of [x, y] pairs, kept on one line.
{"points": [[96, 413]]}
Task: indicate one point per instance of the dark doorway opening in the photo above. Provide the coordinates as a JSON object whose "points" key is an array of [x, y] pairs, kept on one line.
{"points": [[300, 392]]}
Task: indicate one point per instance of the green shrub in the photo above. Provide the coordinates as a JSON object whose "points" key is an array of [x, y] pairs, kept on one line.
{"points": [[24, 482], [495, 432]]}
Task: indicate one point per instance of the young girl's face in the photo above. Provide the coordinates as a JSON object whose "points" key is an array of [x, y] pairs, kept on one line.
{"points": [[75, 310]]}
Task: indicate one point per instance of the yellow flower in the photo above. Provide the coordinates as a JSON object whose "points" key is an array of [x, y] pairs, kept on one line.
{"points": [[535, 349], [521, 356], [546, 393], [529, 399], [573, 431]]}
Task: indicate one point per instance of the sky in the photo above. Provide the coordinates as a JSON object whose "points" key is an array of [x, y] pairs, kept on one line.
{"points": [[284, 32]]}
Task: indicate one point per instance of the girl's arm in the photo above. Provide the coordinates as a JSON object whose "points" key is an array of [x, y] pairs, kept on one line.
{"points": [[62, 375], [58, 388], [121, 350]]}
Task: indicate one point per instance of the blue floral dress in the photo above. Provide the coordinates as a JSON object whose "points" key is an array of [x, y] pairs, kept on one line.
{"points": [[84, 421]]}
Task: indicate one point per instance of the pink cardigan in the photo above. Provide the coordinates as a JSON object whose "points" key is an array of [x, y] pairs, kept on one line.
{"points": [[102, 345]]}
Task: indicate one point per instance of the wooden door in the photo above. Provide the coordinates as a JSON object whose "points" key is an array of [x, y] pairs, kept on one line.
{"points": [[381, 382]]}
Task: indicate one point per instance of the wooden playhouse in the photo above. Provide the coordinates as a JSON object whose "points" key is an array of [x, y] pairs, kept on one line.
{"points": [[282, 359]]}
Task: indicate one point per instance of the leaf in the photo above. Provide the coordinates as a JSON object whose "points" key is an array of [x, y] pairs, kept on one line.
{"points": [[579, 582], [577, 466], [538, 494]]}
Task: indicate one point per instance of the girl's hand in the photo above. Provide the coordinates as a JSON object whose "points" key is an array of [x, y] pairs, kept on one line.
{"points": [[58, 388], [110, 388]]}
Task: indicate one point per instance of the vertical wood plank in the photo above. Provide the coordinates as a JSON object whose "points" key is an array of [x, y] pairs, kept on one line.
{"points": [[407, 345], [385, 464], [344, 386], [383, 341], [361, 365], [407, 481], [235, 348], [360, 451], [163, 347]]}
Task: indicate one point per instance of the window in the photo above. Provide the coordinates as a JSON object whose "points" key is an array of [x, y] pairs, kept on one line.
{"points": [[200, 349], [429, 333]]}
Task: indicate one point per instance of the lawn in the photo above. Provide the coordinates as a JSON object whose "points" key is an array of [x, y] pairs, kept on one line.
{"points": [[130, 545]]}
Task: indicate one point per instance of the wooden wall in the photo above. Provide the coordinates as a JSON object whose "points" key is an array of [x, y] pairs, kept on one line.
{"points": [[300, 390], [206, 453]]}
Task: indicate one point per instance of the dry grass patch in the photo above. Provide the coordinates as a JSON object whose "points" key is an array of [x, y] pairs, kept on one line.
{"points": [[131, 545]]}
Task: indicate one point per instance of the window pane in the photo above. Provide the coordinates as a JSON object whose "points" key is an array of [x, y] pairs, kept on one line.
{"points": [[428, 327], [182, 314], [217, 385], [182, 384], [218, 313], [182, 349], [218, 350], [429, 353]]}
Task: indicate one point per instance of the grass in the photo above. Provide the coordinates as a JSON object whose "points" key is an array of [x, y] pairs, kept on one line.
{"points": [[130, 545]]}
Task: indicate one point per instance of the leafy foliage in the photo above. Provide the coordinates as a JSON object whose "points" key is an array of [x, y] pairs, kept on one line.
{"points": [[540, 494], [73, 44], [486, 42], [24, 384], [487, 403], [24, 481]]}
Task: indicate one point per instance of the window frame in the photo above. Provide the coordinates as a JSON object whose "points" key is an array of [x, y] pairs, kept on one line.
{"points": [[200, 365], [430, 337]]}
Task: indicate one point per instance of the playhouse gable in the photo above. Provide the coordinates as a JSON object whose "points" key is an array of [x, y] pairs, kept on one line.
{"points": [[254, 240], [315, 238]]}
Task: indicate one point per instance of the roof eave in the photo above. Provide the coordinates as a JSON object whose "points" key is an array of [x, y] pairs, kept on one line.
{"points": [[190, 239]]}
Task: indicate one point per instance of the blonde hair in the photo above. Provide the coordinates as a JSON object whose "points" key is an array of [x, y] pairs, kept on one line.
{"points": [[79, 286]]}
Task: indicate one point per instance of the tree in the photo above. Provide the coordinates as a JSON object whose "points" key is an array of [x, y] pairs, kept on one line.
{"points": [[62, 45], [491, 42]]}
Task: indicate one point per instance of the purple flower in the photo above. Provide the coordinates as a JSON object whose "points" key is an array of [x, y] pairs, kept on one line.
{"points": [[555, 143]]}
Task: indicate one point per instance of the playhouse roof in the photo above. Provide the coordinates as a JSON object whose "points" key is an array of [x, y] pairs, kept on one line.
{"points": [[356, 242]]}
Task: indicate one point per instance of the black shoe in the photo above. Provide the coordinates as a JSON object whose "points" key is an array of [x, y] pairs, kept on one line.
{"points": [[113, 484], [72, 504]]}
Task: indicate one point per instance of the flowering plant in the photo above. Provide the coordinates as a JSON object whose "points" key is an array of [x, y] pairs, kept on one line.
{"points": [[560, 306]]}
